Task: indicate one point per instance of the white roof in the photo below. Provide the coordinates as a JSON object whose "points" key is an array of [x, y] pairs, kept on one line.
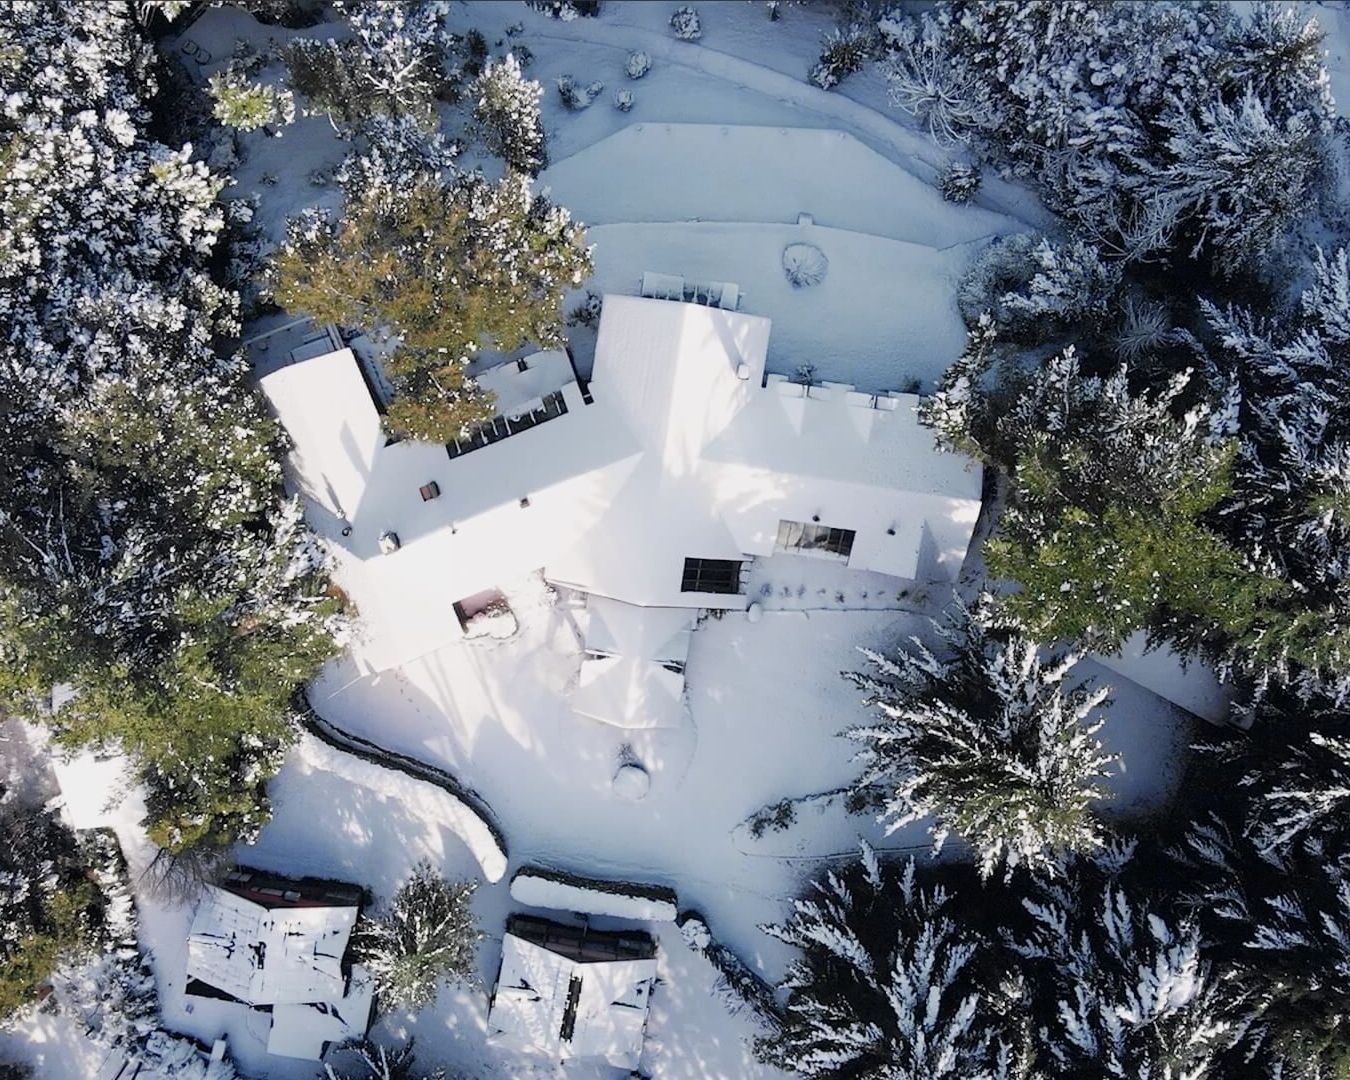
{"points": [[269, 956], [685, 451], [531, 1000], [476, 534], [725, 459], [303, 1031], [624, 679]]}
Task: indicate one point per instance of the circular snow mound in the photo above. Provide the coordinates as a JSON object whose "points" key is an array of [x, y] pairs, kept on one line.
{"points": [[632, 782], [755, 612], [805, 264]]}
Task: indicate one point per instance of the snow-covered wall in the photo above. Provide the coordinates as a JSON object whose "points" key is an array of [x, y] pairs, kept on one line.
{"points": [[426, 791], [620, 899]]}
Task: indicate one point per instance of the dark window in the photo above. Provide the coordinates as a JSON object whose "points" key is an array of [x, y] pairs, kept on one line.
{"points": [[799, 536], [711, 575]]}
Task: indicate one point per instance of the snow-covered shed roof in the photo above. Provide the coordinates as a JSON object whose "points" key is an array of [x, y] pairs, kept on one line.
{"points": [[550, 1003], [269, 956], [632, 673], [282, 953]]}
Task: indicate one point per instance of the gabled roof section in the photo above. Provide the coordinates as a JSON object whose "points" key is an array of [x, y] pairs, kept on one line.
{"points": [[269, 956], [332, 420], [677, 373]]}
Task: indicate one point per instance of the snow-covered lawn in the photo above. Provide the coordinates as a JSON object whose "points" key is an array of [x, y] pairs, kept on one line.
{"points": [[885, 313]]}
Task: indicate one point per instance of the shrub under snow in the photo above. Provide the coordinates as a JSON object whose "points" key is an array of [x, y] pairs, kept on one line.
{"points": [[686, 24], [639, 63]]}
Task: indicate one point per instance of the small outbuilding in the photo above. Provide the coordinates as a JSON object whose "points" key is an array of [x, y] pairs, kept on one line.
{"points": [[573, 993], [280, 947]]}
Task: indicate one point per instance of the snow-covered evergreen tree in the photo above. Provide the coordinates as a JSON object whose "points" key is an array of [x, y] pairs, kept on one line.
{"points": [[149, 559], [1138, 122], [982, 736], [391, 65], [1280, 920], [248, 105], [1119, 988], [507, 116], [366, 1060], [427, 935], [1290, 508], [1108, 489], [886, 983], [448, 265]]}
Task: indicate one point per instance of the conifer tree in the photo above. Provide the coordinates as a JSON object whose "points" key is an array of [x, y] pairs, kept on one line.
{"points": [[982, 736], [427, 935], [147, 556], [1119, 988], [506, 116], [886, 983], [449, 266], [249, 106]]}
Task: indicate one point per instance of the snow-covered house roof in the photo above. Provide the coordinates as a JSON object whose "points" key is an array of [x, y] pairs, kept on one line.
{"points": [[682, 450], [632, 674], [279, 949], [568, 1008], [730, 454], [500, 508]]}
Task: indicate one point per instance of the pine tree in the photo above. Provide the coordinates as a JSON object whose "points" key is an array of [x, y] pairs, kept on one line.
{"points": [[1105, 527], [507, 116], [249, 106], [391, 65], [1143, 125], [147, 555], [985, 740], [448, 266], [428, 934], [49, 912], [1119, 989], [886, 983], [1281, 922]]}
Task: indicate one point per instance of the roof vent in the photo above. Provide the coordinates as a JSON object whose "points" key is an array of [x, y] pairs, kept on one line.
{"points": [[429, 490], [743, 370], [389, 543]]}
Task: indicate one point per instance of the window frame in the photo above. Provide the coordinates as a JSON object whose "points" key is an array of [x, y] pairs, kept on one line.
{"points": [[701, 575]]}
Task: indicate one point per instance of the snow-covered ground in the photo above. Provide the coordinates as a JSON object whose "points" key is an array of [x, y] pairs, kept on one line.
{"points": [[766, 700]]}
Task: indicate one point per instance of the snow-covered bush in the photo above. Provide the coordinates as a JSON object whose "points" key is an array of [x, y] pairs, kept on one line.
{"points": [[623, 100], [637, 65], [983, 738], [805, 265], [928, 84], [959, 182], [576, 97], [566, 10], [738, 986], [587, 313], [686, 24], [845, 51], [506, 116], [426, 935], [249, 106], [886, 982]]}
